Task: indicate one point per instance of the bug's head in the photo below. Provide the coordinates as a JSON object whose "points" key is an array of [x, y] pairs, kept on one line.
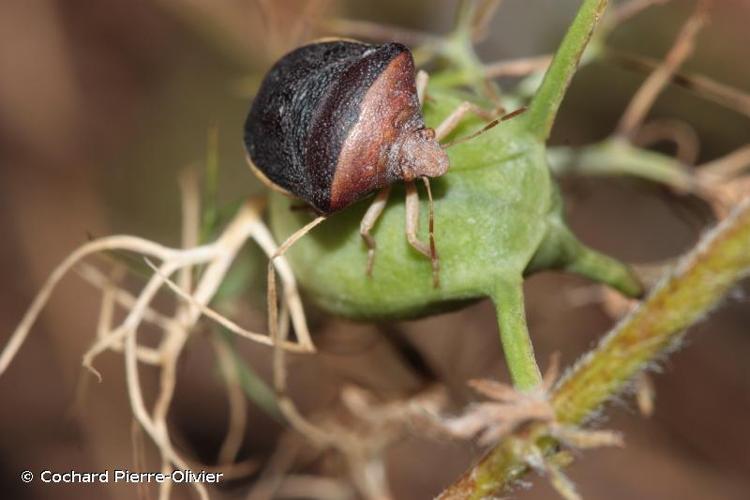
{"points": [[420, 155]]}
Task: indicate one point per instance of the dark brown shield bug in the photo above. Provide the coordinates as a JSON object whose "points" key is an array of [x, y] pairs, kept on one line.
{"points": [[337, 120]]}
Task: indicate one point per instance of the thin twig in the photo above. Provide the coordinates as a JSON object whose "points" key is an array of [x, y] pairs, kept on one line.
{"points": [[682, 48], [122, 297], [517, 67], [483, 16], [377, 31], [130, 243], [681, 134], [287, 448], [217, 258], [184, 318], [132, 320], [158, 435], [313, 487], [111, 296], [223, 320], [727, 167], [139, 454], [626, 11], [314, 433], [191, 216], [720, 93], [236, 400]]}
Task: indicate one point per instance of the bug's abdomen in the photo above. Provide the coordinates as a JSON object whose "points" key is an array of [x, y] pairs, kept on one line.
{"points": [[306, 108]]}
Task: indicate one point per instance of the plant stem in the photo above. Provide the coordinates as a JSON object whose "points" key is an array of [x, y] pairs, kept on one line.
{"points": [[458, 48], [693, 289], [615, 156], [546, 102], [696, 285], [514, 334]]}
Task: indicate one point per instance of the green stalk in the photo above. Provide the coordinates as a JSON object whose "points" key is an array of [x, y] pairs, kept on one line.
{"points": [[458, 48], [696, 285], [616, 156], [543, 109], [514, 335]]}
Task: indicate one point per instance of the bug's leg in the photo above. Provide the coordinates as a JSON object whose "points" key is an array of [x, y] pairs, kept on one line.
{"points": [[458, 114], [412, 219], [431, 231], [368, 222], [422, 79], [412, 228]]}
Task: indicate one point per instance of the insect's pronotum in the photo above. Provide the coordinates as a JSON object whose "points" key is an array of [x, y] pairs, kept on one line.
{"points": [[335, 121]]}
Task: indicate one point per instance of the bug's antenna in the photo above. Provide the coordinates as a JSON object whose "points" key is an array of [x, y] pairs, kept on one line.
{"points": [[484, 129], [433, 248]]}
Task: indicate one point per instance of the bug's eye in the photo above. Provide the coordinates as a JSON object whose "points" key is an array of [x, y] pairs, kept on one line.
{"points": [[427, 134]]}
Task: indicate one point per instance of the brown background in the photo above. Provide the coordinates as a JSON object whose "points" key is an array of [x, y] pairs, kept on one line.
{"points": [[103, 102]]}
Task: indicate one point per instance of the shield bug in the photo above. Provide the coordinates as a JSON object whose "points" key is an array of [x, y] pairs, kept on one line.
{"points": [[337, 120]]}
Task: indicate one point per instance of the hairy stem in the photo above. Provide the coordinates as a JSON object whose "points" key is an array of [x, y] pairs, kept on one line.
{"points": [[696, 285], [546, 102]]}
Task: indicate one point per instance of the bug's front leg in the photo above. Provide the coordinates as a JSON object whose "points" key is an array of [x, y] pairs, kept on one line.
{"points": [[368, 222], [412, 228], [454, 119]]}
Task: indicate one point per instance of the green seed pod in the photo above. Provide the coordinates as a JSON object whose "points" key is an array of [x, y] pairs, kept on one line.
{"points": [[498, 218]]}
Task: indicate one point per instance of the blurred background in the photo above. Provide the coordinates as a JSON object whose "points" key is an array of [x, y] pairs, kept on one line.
{"points": [[103, 103]]}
